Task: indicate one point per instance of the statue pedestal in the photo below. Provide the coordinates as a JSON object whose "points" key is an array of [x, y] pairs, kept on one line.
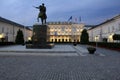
{"points": [[40, 37]]}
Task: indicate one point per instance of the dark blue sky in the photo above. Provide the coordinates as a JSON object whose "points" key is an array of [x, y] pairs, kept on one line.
{"points": [[91, 11]]}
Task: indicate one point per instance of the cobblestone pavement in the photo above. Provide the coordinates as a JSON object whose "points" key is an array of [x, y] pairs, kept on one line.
{"points": [[59, 68], [74, 67]]}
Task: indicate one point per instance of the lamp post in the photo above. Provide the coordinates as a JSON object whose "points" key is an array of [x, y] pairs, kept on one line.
{"points": [[25, 33], [96, 39]]}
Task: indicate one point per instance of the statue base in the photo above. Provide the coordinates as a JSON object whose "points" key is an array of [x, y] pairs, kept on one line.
{"points": [[40, 38]]}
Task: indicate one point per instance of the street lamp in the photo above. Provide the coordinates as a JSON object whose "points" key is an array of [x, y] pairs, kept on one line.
{"points": [[1, 36], [111, 37], [29, 39]]}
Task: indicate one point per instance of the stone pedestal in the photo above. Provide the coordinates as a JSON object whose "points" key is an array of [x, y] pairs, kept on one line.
{"points": [[40, 37]]}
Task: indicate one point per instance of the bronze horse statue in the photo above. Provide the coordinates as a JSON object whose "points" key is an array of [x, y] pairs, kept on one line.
{"points": [[42, 14]]}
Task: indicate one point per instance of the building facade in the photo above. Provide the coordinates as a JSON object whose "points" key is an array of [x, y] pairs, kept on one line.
{"points": [[8, 30], [65, 31], [106, 30]]}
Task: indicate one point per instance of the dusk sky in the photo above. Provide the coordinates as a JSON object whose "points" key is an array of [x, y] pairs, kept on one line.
{"points": [[92, 12]]}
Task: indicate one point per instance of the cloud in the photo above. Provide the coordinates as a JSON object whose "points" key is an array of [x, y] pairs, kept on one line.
{"points": [[22, 11]]}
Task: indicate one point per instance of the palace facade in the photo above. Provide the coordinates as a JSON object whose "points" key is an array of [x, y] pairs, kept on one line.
{"points": [[8, 30], [105, 31], [65, 31]]}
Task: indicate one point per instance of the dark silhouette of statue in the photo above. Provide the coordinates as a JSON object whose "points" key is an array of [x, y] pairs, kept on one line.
{"points": [[42, 13]]}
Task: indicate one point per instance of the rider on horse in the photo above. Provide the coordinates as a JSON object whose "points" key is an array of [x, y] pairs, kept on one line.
{"points": [[42, 13]]}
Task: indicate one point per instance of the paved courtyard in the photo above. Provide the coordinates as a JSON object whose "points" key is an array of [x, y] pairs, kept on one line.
{"points": [[63, 62]]}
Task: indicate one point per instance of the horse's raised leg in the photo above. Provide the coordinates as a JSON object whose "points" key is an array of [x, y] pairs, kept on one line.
{"points": [[38, 19]]}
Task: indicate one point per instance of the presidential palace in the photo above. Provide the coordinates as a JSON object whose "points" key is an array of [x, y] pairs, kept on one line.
{"points": [[64, 31]]}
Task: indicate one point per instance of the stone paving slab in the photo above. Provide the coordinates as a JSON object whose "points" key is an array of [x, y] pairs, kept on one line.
{"points": [[56, 49], [82, 51], [79, 49], [36, 54], [103, 52]]}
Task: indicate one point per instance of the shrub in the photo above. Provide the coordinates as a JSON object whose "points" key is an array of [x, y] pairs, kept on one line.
{"points": [[84, 37], [19, 38], [116, 37], [104, 44]]}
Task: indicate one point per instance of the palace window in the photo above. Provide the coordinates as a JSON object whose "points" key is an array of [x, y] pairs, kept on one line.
{"points": [[112, 28], [63, 28], [108, 29], [2, 29], [119, 26]]}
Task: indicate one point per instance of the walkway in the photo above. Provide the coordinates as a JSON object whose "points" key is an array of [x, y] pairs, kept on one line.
{"points": [[78, 65]]}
